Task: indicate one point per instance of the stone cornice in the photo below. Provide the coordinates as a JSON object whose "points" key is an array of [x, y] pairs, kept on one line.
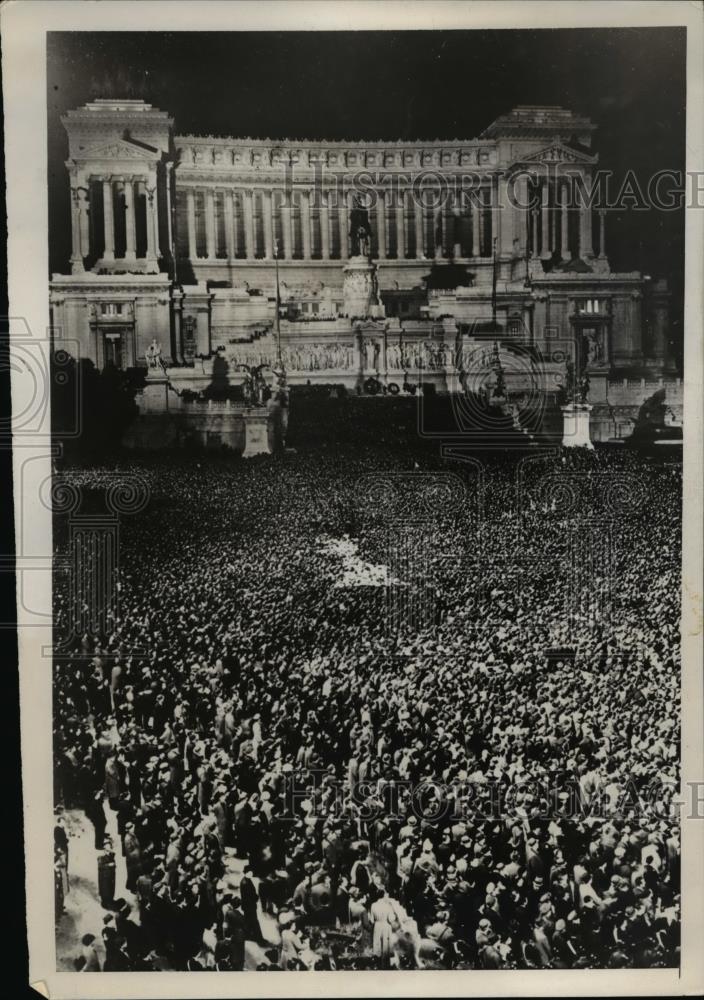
{"points": [[333, 144], [115, 152], [278, 179], [104, 111], [557, 154], [206, 152], [533, 121], [607, 281], [90, 282]]}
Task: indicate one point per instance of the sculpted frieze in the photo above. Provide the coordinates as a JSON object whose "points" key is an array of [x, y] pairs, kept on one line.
{"points": [[117, 150]]}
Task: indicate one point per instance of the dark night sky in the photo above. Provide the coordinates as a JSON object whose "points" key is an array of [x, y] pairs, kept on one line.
{"points": [[396, 85]]}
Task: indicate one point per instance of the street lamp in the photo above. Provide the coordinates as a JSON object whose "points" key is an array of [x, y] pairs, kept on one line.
{"points": [[278, 303]]}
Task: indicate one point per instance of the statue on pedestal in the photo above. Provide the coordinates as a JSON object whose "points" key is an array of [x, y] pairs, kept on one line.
{"points": [[248, 387], [570, 383], [153, 354], [593, 347], [362, 242], [575, 391], [499, 391], [259, 385], [189, 340], [583, 390]]}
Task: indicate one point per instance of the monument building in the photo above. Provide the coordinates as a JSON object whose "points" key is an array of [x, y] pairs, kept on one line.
{"points": [[374, 265]]}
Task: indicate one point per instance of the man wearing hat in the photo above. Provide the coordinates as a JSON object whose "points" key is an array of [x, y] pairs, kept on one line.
{"points": [[233, 925], [250, 900], [133, 856]]}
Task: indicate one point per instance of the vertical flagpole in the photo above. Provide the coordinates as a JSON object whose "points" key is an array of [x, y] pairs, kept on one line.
{"points": [[278, 303], [526, 283], [493, 286]]}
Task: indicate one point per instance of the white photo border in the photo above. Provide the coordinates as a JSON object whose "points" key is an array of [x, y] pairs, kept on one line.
{"points": [[24, 28]]}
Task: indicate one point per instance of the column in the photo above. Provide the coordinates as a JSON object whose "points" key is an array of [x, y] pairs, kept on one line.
{"points": [[602, 234], [636, 323], [248, 224], [344, 220], [268, 222], [404, 216], [535, 251], [305, 224], [324, 226], [493, 215], [381, 223], [504, 214], [209, 223], [130, 252], [84, 209], [659, 301], [400, 230], [286, 226], [545, 225], [108, 221], [564, 221], [150, 196], [191, 209], [445, 227], [476, 232], [76, 255], [585, 225], [438, 227], [178, 324], [456, 225], [169, 217], [522, 214], [418, 220], [155, 215], [230, 224]]}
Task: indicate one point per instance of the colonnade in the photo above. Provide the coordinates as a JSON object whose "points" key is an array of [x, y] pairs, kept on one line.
{"points": [[556, 225], [93, 232], [254, 223], [311, 224]]}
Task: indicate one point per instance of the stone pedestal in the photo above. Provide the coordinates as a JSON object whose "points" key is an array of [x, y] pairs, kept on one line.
{"points": [[358, 287], [598, 386], [257, 436], [154, 397], [575, 430]]}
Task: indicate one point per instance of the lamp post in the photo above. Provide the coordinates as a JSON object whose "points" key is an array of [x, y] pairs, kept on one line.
{"points": [[278, 305], [493, 286]]}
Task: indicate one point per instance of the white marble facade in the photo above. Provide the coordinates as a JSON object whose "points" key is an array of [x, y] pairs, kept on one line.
{"points": [[187, 238]]}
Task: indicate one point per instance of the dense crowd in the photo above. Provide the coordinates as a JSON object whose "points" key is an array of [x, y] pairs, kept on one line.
{"points": [[486, 786]]}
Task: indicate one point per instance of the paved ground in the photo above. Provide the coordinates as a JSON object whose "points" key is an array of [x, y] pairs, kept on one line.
{"points": [[83, 911], [254, 953]]}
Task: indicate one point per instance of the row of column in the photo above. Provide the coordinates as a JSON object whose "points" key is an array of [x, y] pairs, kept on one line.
{"points": [[128, 190], [390, 222], [549, 228], [436, 232]]}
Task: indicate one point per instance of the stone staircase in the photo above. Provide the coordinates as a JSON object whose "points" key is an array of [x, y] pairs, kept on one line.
{"points": [[223, 333]]}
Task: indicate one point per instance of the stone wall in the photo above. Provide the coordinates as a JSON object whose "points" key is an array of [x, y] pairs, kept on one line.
{"points": [[616, 417]]}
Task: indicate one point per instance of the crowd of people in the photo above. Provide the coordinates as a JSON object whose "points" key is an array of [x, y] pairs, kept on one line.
{"points": [[488, 787]]}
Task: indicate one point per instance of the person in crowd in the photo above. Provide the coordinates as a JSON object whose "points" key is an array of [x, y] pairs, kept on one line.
{"points": [[295, 772]]}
